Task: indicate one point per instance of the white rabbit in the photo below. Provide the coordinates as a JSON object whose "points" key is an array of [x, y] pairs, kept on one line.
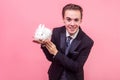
{"points": [[42, 33]]}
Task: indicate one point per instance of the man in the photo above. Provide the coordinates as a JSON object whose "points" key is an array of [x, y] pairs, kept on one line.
{"points": [[68, 57]]}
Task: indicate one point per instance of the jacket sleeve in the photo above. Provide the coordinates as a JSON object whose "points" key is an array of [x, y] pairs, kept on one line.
{"points": [[46, 52]]}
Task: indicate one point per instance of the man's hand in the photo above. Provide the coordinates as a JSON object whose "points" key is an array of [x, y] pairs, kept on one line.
{"points": [[43, 42], [51, 47], [48, 44]]}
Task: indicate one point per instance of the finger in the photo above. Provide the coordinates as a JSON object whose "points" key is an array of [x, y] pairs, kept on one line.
{"points": [[35, 41], [49, 43], [49, 46], [38, 41]]}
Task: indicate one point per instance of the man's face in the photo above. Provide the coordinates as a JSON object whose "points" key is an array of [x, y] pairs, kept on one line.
{"points": [[72, 20]]}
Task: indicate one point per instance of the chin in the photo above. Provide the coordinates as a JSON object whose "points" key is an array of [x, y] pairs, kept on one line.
{"points": [[71, 33]]}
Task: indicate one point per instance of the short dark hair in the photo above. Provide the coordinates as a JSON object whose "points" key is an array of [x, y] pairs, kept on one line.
{"points": [[72, 7]]}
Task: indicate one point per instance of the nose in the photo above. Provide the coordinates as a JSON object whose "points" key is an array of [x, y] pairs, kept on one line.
{"points": [[72, 23]]}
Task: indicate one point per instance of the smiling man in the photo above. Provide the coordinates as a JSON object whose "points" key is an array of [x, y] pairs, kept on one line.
{"points": [[69, 46]]}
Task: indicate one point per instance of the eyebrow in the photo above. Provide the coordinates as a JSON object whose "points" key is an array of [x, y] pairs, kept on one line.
{"points": [[71, 18]]}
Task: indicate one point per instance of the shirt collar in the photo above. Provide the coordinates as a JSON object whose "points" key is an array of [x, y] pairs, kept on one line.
{"points": [[73, 36]]}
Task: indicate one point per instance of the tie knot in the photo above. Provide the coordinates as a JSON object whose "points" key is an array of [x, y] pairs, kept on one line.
{"points": [[68, 40]]}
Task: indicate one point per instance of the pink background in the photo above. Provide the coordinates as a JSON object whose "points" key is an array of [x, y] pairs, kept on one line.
{"points": [[21, 59]]}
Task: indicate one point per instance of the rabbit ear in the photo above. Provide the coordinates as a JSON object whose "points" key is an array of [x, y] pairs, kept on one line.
{"points": [[43, 25], [40, 25]]}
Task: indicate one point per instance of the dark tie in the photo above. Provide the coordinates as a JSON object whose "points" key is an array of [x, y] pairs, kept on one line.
{"points": [[67, 44], [68, 39]]}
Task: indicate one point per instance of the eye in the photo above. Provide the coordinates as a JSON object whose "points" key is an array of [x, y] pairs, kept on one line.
{"points": [[76, 20], [68, 19]]}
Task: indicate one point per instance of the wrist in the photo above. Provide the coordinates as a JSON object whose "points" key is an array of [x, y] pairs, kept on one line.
{"points": [[55, 53]]}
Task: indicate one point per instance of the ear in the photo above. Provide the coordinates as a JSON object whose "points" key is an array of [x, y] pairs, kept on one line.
{"points": [[63, 20], [80, 20]]}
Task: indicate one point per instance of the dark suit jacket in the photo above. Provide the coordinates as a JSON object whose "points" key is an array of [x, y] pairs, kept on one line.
{"points": [[72, 63]]}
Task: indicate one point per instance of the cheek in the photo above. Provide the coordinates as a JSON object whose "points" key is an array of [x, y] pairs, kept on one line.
{"points": [[66, 22], [67, 25], [78, 23]]}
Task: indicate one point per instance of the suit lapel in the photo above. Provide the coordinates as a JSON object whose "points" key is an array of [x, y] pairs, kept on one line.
{"points": [[63, 40], [75, 43]]}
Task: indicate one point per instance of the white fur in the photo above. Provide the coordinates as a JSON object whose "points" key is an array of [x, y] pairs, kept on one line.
{"points": [[42, 33]]}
